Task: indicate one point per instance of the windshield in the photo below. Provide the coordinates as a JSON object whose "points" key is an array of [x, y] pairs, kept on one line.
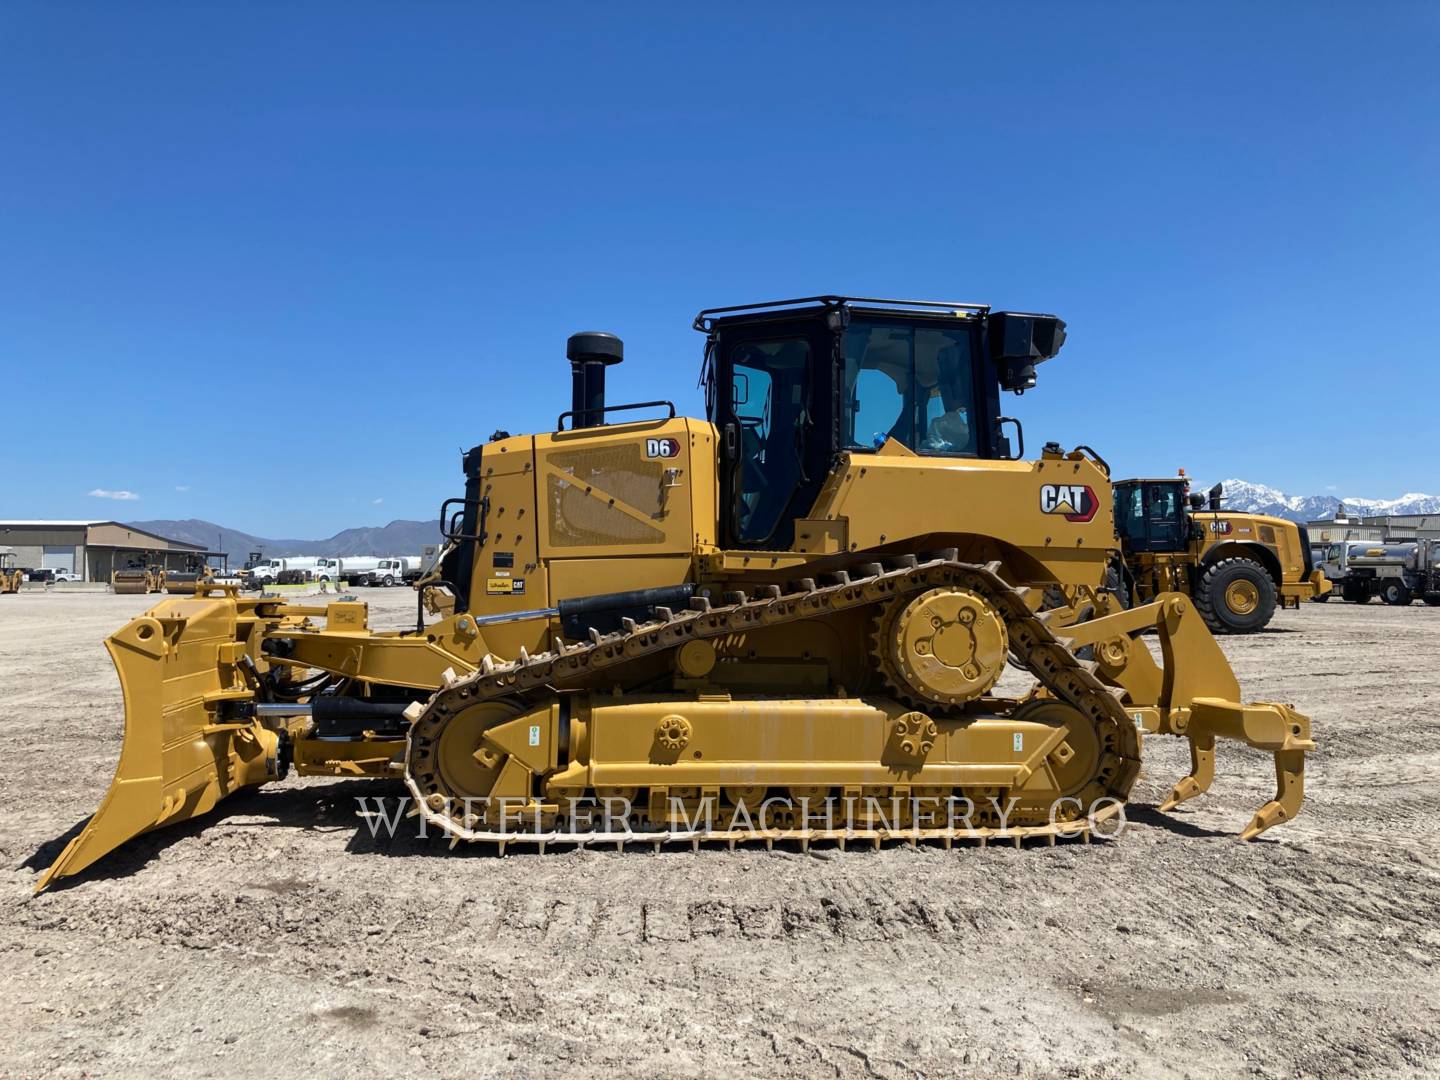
{"points": [[912, 384]]}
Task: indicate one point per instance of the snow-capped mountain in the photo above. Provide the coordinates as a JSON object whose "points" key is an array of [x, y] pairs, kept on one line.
{"points": [[1262, 499]]}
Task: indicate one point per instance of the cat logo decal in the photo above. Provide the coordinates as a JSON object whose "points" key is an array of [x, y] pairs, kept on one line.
{"points": [[1074, 502]]}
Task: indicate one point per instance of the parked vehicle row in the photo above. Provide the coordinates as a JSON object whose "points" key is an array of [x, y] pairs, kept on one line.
{"points": [[1399, 572], [349, 570], [50, 575]]}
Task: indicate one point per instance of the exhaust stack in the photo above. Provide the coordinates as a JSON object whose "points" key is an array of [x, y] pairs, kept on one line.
{"points": [[590, 353]]}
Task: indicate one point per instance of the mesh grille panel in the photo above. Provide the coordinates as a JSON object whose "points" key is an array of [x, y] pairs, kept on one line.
{"points": [[620, 470], [578, 519]]}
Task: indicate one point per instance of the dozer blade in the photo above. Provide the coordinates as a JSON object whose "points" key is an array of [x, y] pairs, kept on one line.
{"points": [[177, 663]]}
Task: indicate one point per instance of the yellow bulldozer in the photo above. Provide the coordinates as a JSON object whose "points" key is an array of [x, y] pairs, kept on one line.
{"points": [[137, 579], [812, 617], [1236, 566], [10, 575]]}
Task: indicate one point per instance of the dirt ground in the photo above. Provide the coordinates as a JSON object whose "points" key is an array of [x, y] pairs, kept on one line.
{"points": [[277, 936]]}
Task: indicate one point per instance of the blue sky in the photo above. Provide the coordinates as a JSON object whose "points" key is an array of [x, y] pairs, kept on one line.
{"points": [[275, 265]]}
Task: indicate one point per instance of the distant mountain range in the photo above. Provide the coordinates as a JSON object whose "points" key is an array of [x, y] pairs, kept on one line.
{"points": [[397, 538], [1261, 499]]}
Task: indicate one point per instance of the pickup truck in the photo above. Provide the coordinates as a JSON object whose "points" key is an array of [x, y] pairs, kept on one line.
{"points": [[49, 575]]}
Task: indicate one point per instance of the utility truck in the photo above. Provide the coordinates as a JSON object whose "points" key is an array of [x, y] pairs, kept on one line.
{"points": [[291, 570], [401, 570], [326, 570], [356, 569], [1396, 571]]}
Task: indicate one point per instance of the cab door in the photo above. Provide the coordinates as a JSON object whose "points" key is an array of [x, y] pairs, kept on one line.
{"points": [[1164, 516], [774, 412], [1151, 518]]}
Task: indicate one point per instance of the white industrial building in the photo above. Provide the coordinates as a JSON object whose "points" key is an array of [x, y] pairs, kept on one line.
{"points": [[1377, 527]]}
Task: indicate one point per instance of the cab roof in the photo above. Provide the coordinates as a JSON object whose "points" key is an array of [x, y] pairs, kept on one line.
{"points": [[934, 308]]}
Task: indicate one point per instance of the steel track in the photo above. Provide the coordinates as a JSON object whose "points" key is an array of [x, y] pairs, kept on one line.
{"points": [[533, 679]]}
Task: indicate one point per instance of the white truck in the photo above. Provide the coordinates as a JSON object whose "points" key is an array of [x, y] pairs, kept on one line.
{"points": [[356, 569], [326, 570], [1397, 571], [396, 570], [294, 569], [297, 571], [265, 571]]}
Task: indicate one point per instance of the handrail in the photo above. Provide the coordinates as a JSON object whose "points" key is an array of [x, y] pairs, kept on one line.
{"points": [[451, 529], [560, 423]]}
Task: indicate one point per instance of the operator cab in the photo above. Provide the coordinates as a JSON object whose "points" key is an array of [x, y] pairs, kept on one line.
{"points": [[792, 383], [1154, 515]]}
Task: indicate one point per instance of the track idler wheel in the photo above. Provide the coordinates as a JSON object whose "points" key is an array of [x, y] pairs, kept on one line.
{"points": [[467, 770], [941, 647]]}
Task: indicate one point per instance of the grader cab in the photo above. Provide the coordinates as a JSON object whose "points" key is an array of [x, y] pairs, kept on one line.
{"points": [[786, 622]]}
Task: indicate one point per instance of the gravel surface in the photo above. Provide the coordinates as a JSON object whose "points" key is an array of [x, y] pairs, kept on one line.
{"points": [[277, 936]]}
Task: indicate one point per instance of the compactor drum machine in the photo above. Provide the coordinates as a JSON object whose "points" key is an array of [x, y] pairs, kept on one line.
{"points": [[138, 579], [789, 621]]}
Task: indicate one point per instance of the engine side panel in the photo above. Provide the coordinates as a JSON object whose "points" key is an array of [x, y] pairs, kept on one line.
{"points": [[1054, 515]]}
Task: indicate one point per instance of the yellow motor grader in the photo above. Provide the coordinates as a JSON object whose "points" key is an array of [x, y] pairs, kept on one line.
{"points": [[785, 622], [1236, 566]]}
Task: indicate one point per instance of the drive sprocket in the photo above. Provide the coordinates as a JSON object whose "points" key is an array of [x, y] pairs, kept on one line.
{"points": [[943, 647]]}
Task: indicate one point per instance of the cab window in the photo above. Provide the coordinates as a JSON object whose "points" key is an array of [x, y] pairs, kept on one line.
{"points": [[1163, 504], [912, 384], [1130, 512]]}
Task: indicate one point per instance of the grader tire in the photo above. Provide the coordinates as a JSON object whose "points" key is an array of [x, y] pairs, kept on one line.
{"points": [[1117, 586], [1235, 596], [1321, 599]]}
